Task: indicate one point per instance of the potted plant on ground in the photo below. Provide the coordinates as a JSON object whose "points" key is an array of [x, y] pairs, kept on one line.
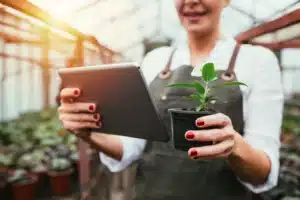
{"points": [[6, 160], [23, 185], [60, 172], [183, 119], [39, 168], [35, 163]]}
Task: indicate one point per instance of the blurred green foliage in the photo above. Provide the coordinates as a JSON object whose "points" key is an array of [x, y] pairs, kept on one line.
{"points": [[34, 139]]}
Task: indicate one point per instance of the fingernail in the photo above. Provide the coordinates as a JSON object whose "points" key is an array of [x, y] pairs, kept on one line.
{"points": [[91, 108], [200, 123], [190, 135], [193, 153], [96, 117], [100, 124], [76, 92]]}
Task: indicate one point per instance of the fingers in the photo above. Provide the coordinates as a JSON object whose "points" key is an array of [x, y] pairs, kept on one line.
{"points": [[224, 139], [69, 93], [211, 135], [78, 122], [74, 126], [79, 117], [219, 119], [220, 150], [77, 107]]}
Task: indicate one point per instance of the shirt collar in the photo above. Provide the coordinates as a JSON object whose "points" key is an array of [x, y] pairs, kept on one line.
{"points": [[220, 55]]}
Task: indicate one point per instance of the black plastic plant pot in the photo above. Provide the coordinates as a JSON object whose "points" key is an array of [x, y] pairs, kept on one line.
{"points": [[182, 121]]}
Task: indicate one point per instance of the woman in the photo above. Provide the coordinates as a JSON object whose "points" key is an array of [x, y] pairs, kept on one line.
{"points": [[245, 155]]}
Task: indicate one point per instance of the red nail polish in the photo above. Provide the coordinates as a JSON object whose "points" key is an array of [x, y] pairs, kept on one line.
{"points": [[190, 135], [76, 92], [96, 116], [91, 108], [193, 153], [200, 123]]}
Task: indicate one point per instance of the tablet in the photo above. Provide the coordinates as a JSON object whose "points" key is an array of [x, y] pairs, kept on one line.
{"points": [[122, 97]]}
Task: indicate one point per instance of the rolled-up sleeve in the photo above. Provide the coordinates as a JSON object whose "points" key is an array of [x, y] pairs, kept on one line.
{"points": [[132, 150], [263, 115]]}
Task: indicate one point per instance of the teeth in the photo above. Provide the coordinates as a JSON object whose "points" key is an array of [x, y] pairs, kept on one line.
{"points": [[195, 14], [198, 14]]}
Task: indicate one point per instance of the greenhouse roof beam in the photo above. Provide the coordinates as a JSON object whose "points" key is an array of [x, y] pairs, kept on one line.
{"points": [[295, 43], [34, 11], [282, 22]]}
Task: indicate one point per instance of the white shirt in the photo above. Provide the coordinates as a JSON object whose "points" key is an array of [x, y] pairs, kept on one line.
{"points": [[262, 100]]}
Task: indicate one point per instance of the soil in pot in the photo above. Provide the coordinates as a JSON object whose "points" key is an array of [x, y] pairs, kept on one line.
{"points": [[183, 120], [61, 182], [25, 190]]}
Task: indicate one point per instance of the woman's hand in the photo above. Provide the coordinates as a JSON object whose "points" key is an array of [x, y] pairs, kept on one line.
{"points": [[223, 138], [77, 116], [249, 164]]}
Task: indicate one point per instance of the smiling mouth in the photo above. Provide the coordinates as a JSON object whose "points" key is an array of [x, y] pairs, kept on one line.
{"points": [[194, 14]]}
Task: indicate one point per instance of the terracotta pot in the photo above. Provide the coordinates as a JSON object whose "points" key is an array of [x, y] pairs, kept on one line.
{"points": [[25, 191], [183, 121], [61, 182], [41, 177]]}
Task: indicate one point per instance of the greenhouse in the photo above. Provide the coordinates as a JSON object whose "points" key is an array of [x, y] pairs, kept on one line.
{"points": [[40, 159]]}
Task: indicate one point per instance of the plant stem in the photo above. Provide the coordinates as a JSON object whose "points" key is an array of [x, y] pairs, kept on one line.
{"points": [[206, 89], [203, 104]]}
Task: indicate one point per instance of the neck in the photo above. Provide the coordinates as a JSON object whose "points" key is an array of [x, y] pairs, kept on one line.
{"points": [[202, 45]]}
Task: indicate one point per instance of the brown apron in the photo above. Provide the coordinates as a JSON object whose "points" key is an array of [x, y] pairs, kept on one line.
{"points": [[169, 174]]}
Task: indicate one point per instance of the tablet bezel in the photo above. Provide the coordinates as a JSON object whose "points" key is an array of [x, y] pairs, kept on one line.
{"points": [[99, 67]]}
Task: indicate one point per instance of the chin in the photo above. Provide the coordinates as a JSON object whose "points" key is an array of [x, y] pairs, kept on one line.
{"points": [[198, 29]]}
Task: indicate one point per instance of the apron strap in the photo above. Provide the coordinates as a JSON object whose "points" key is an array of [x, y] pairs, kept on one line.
{"points": [[228, 75], [166, 72], [230, 69]]}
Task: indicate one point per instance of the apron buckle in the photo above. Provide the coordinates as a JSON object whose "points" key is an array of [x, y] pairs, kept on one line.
{"points": [[165, 74], [228, 76]]}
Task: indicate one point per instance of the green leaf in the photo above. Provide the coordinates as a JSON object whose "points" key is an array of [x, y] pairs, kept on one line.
{"points": [[193, 97], [210, 98], [199, 87], [233, 83], [178, 85], [216, 78], [208, 72]]}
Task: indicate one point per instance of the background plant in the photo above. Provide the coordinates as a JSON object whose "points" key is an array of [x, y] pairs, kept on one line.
{"points": [[59, 164], [202, 90], [33, 139], [19, 176]]}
